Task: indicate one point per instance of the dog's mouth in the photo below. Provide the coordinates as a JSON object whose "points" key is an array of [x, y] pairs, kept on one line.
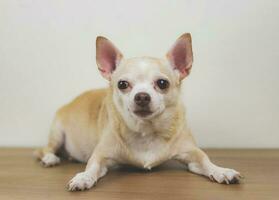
{"points": [[143, 112]]}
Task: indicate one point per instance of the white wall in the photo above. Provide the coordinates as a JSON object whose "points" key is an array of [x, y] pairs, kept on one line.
{"points": [[232, 95]]}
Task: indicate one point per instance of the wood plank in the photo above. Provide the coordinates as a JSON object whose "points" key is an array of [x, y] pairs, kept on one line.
{"points": [[21, 177]]}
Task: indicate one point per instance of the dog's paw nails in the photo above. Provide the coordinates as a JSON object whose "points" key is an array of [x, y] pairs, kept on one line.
{"points": [[82, 181], [211, 178], [225, 175], [50, 160]]}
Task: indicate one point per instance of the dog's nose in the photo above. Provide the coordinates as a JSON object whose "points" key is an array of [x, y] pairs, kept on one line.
{"points": [[142, 99]]}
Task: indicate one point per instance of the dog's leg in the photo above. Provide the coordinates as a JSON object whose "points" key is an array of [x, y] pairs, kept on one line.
{"points": [[96, 168], [199, 163], [47, 154]]}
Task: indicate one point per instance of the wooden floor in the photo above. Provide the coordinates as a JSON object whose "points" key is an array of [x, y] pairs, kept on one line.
{"points": [[21, 177]]}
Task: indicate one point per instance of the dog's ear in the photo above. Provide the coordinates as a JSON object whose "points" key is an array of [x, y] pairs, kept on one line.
{"points": [[180, 55], [107, 56]]}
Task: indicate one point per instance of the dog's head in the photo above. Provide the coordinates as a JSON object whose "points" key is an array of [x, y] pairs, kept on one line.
{"points": [[144, 87]]}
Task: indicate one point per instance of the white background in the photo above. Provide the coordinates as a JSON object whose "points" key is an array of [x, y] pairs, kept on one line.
{"points": [[232, 95]]}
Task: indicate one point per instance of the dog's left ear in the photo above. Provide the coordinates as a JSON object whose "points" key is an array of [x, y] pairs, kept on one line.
{"points": [[180, 55], [107, 56]]}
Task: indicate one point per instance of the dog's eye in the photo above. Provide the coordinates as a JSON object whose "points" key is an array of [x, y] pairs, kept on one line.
{"points": [[162, 84], [122, 85]]}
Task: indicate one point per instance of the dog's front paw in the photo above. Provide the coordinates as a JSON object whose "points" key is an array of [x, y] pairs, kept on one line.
{"points": [[81, 181], [224, 175], [50, 160]]}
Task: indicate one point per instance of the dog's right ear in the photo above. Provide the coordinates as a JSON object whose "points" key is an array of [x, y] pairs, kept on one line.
{"points": [[107, 56]]}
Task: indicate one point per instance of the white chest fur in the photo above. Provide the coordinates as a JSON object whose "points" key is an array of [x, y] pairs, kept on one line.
{"points": [[147, 149], [147, 141]]}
